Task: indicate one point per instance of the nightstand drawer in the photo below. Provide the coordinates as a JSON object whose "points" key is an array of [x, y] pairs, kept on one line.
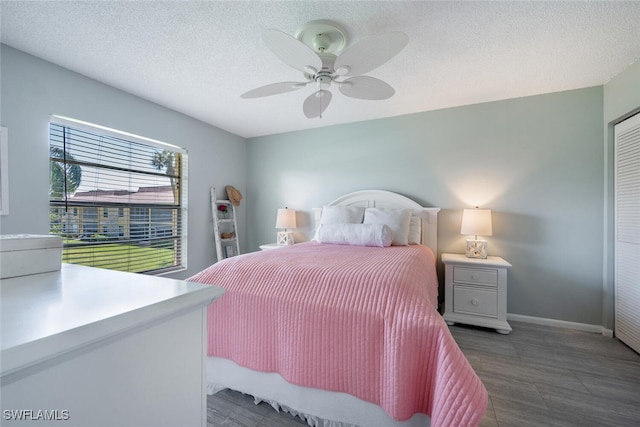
{"points": [[481, 276], [475, 301]]}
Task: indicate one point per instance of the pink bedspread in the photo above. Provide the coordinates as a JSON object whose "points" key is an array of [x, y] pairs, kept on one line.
{"points": [[352, 319]]}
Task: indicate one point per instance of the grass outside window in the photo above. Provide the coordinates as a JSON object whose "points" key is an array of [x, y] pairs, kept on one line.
{"points": [[118, 256]]}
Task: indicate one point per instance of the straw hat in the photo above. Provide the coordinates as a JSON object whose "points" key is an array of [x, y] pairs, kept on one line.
{"points": [[234, 195]]}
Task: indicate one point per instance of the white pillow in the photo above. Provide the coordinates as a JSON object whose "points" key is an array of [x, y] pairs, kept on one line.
{"points": [[415, 230], [397, 219], [355, 234], [342, 215]]}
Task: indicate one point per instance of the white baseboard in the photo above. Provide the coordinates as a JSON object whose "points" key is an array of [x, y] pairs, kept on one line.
{"points": [[598, 329]]}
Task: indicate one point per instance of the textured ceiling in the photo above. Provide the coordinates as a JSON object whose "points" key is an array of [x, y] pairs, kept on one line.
{"points": [[198, 57]]}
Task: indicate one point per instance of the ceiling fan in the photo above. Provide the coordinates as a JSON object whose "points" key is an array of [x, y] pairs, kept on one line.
{"points": [[318, 51]]}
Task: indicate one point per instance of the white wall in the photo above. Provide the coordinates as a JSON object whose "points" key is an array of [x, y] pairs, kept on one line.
{"points": [[537, 162], [32, 89]]}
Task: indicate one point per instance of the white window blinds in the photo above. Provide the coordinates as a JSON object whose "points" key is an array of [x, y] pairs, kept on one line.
{"points": [[118, 200], [627, 231]]}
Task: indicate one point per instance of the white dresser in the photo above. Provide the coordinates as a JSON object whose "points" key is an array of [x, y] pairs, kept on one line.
{"points": [[476, 291], [85, 346]]}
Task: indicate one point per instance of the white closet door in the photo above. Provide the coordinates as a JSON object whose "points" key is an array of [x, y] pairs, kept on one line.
{"points": [[627, 231]]}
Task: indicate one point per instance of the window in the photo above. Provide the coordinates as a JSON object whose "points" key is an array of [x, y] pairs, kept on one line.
{"points": [[118, 200]]}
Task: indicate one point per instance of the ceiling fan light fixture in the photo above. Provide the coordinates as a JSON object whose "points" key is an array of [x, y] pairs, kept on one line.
{"points": [[323, 81]]}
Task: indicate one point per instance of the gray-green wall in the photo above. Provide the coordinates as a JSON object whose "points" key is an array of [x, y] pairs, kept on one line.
{"points": [[537, 162], [32, 89]]}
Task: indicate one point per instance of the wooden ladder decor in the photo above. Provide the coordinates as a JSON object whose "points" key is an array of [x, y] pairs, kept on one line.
{"points": [[225, 227]]}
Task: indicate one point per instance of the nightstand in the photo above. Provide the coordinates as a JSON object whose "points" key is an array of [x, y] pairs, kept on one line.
{"points": [[475, 291]]}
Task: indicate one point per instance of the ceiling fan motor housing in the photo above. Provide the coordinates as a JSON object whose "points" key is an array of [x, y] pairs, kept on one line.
{"points": [[327, 39], [323, 79], [327, 69]]}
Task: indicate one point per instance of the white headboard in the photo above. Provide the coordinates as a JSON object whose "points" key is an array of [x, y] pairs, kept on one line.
{"points": [[388, 199]]}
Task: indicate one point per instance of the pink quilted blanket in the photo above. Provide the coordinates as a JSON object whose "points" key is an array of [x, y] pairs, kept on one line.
{"points": [[351, 319]]}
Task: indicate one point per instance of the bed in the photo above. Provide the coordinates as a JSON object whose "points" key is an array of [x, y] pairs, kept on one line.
{"points": [[344, 334]]}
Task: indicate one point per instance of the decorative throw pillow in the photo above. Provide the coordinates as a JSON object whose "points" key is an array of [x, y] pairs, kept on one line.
{"points": [[397, 219], [342, 215], [355, 234], [415, 230]]}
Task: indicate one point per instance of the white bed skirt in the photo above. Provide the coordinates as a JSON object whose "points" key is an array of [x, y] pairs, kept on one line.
{"points": [[319, 408]]}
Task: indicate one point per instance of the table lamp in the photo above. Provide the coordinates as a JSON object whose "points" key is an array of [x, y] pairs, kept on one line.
{"points": [[476, 222], [286, 218]]}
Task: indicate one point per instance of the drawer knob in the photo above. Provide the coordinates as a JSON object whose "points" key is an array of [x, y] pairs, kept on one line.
{"points": [[474, 301]]}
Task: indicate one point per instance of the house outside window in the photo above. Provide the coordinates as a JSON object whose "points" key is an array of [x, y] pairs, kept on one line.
{"points": [[117, 200]]}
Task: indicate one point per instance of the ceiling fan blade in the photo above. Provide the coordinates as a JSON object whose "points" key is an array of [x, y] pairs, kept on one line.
{"points": [[370, 53], [292, 51], [273, 89], [365, 87], [316, 103]]}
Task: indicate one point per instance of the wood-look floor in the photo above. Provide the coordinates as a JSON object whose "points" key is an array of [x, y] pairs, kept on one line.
{"points": [[535, 376]]}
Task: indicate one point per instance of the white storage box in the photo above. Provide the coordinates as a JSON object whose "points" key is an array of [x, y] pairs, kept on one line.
{"points": [[23, 254]]}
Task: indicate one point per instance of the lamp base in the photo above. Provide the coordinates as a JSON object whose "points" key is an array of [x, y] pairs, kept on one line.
{"points": [[284, 238], [476, 249]]}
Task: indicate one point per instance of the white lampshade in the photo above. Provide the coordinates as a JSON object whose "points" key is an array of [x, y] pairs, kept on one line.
{"points": [[286, 218], [476, 222]]}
